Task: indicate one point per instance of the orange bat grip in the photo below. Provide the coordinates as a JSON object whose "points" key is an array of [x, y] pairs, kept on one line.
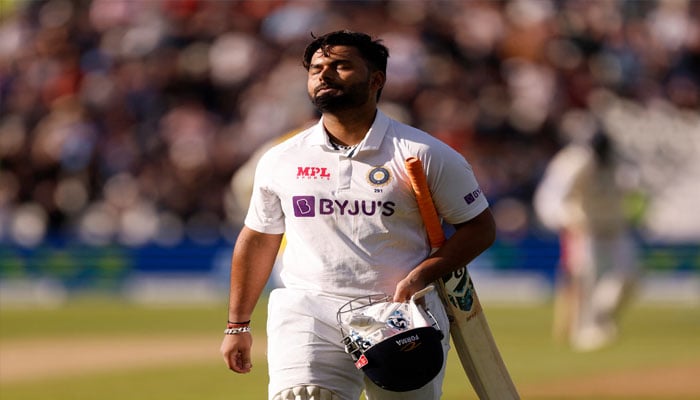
{"points": [[416, 175]]}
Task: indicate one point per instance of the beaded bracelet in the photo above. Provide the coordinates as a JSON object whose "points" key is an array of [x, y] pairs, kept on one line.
{"points": [[236, 331]]}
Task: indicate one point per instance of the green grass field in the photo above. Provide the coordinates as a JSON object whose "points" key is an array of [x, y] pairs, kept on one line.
{"points": [[657, 356]]}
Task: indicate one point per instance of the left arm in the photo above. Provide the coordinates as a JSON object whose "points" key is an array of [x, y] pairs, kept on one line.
{"points": [[470, 239]]}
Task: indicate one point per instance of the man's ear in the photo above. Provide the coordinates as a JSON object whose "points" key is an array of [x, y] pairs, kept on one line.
{"points": [[378, 79]]}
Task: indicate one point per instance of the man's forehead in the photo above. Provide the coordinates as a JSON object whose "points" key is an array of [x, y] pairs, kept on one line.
{"points": [[336, 51]]}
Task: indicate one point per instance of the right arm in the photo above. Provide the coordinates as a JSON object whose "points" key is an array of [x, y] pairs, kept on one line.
{"points": [[251, 265]]}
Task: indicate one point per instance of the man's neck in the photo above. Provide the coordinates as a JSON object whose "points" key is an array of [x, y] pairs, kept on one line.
{"points": [[349, 128]]}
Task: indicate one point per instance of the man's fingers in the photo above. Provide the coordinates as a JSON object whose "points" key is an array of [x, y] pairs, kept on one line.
{"points": [[241, 363], [228, 359], [238, 362], [244, 363], [236, 352]]}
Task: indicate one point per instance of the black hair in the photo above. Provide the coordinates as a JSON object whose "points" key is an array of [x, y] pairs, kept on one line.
{"points": [[371, 50]]}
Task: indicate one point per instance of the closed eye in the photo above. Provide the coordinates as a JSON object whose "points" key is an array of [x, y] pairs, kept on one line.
{"points": [[338, 65]]}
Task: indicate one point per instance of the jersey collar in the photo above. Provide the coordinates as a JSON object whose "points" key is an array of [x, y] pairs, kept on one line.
{"points": [[372, 140]]}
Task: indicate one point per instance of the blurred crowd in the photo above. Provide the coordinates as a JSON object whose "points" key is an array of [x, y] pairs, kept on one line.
{"points": [[124, 120]]}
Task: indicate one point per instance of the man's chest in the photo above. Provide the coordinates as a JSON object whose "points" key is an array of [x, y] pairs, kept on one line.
{"points": [[341, 186]]}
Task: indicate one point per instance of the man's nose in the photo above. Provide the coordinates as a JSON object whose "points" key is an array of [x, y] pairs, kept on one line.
{"points": [[326, 74]]}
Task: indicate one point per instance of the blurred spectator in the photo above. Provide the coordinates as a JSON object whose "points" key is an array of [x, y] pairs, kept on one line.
{"points": [[124, 120]]}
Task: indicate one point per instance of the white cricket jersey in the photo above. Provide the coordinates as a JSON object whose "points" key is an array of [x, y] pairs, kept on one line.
{"points": [[577, 193], [351, 222]]}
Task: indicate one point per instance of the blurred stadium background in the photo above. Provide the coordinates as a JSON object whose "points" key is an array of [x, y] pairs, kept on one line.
{"points": [[122, 123]]}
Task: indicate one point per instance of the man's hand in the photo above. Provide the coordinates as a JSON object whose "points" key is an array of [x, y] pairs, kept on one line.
{"points": [[407, 287], [236, 352]]}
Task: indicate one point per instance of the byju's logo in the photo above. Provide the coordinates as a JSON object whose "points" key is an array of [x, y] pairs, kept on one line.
{"points": [[471, 197], [313, 173], [304, 206]]}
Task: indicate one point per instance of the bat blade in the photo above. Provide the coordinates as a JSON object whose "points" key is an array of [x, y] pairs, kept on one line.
{"points": [[469, 329], [473, 339]]}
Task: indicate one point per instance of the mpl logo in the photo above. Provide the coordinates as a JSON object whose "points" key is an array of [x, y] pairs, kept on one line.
{"points": [[313, 173]]}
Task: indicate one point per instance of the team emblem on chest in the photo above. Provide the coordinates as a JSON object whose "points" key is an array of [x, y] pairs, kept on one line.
{"points": [[379, 176]]}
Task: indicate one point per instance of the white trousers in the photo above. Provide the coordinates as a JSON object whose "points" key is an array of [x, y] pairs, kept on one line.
{"points": [[606, 270], [304, 347]]}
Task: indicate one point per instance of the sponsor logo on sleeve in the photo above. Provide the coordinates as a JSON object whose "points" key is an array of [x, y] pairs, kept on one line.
{"points": [[471, 197]]}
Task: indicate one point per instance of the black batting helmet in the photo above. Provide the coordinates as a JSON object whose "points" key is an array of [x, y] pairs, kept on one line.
{"points": [[397, 345]]}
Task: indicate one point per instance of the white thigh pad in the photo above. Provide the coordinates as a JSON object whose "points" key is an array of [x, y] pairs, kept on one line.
{"points": [[306, 392]]}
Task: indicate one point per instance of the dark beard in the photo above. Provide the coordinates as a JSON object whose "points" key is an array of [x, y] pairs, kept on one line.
{"points": [[354, 96]]}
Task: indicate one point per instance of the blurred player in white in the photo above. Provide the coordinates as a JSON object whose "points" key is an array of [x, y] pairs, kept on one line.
{"points": [[339, 194], [581, 197]]}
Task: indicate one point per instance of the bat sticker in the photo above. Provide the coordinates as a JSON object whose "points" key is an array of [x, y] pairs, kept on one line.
{"points": [[460, 290]]}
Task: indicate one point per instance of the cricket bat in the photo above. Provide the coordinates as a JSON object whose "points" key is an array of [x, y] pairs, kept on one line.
{"points": [[469, 329]]}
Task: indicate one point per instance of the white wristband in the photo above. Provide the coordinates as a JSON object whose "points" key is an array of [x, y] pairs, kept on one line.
{"points": [[236, 331]]}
